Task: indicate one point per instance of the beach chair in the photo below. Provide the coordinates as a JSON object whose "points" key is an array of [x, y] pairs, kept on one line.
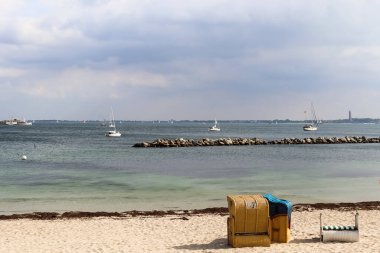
{"points": [[248, 224], [280, 212], [340, 233]]}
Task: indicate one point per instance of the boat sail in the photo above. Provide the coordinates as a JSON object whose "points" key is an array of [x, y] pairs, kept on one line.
{"points": [[111, 124], [313, 125], [114, 132], [214, 127]]}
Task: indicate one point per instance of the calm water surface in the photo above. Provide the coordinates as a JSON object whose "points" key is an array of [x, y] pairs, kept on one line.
{"points": [[73, 166]]}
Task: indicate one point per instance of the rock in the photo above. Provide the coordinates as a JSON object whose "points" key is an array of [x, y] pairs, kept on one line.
{"points": [[228, 142], [181, 142]]}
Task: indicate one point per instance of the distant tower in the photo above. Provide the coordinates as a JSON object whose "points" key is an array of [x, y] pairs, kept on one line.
{"points": [[349, 116]]}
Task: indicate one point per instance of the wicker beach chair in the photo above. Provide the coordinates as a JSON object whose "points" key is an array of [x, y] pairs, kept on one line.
{"points": [[248, 224], [340, 233]]}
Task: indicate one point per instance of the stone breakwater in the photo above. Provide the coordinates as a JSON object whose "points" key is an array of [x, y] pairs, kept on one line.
{"points": [[165, 143]]}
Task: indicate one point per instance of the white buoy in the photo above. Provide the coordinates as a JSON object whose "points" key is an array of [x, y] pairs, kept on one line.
{"points": [[23, 157]]}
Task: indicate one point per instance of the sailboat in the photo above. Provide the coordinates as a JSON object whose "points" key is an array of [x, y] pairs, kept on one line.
{"points": [[313, 125], [214, 127], [24, 122], [114, 132], [11, 122]]}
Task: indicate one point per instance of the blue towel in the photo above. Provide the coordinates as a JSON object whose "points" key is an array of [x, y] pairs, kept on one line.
{"points": [[278, 206]]}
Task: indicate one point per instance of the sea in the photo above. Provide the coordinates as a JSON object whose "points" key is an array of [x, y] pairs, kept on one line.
{"points": [[73, 166]]}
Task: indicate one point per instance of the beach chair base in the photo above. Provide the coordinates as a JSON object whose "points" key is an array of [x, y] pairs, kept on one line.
{"points": [[238, 240], [280, 229]]}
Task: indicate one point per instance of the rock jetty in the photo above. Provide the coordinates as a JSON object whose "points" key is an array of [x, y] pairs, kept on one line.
{"points": [[166, 143]]}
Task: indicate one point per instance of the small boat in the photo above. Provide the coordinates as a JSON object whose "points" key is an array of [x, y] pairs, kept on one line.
{"points": [[313, 125], [214, 127], [310, 127], [114, 132], [24, 123], [11, 122]]}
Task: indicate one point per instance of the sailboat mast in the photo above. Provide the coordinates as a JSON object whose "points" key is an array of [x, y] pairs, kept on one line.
{"points": [[113, 120], [315, 119]]}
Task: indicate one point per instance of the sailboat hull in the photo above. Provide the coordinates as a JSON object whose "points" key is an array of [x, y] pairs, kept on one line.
{"points": [[24, 123], [113, 134], [310, 128]]}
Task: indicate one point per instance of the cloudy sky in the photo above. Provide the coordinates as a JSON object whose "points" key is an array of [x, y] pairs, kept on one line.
{"points": [[194, 59]]}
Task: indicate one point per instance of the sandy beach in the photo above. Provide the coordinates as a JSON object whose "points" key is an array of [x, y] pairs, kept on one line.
{"points": [[179, 232]]}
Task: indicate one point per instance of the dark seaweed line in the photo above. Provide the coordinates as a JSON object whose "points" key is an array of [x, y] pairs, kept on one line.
{"points": [[369, 205]]}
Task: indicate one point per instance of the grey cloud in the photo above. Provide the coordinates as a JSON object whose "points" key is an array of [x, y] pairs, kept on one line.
{"points": [[241, 51]]}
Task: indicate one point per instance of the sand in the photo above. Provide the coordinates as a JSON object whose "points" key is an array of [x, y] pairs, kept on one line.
{"points": [[176, 233]]}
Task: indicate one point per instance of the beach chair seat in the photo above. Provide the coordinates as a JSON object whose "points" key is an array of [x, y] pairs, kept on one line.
{"points": [[340, 233], [248, 224]]}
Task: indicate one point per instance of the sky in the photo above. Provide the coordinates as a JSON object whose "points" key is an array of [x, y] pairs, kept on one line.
{"points": [[194, 59]]}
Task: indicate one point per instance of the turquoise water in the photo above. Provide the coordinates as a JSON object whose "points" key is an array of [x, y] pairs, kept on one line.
{"points": [[73, 166]]}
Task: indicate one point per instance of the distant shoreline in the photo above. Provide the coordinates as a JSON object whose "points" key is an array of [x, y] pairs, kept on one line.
{"points": [[273, 121], [368, 205]]}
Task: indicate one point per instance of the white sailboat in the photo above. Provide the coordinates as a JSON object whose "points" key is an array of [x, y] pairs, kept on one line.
{"points": [[214, 127], [114, 132], [11, 122], [24, 122], [313, 125]]}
